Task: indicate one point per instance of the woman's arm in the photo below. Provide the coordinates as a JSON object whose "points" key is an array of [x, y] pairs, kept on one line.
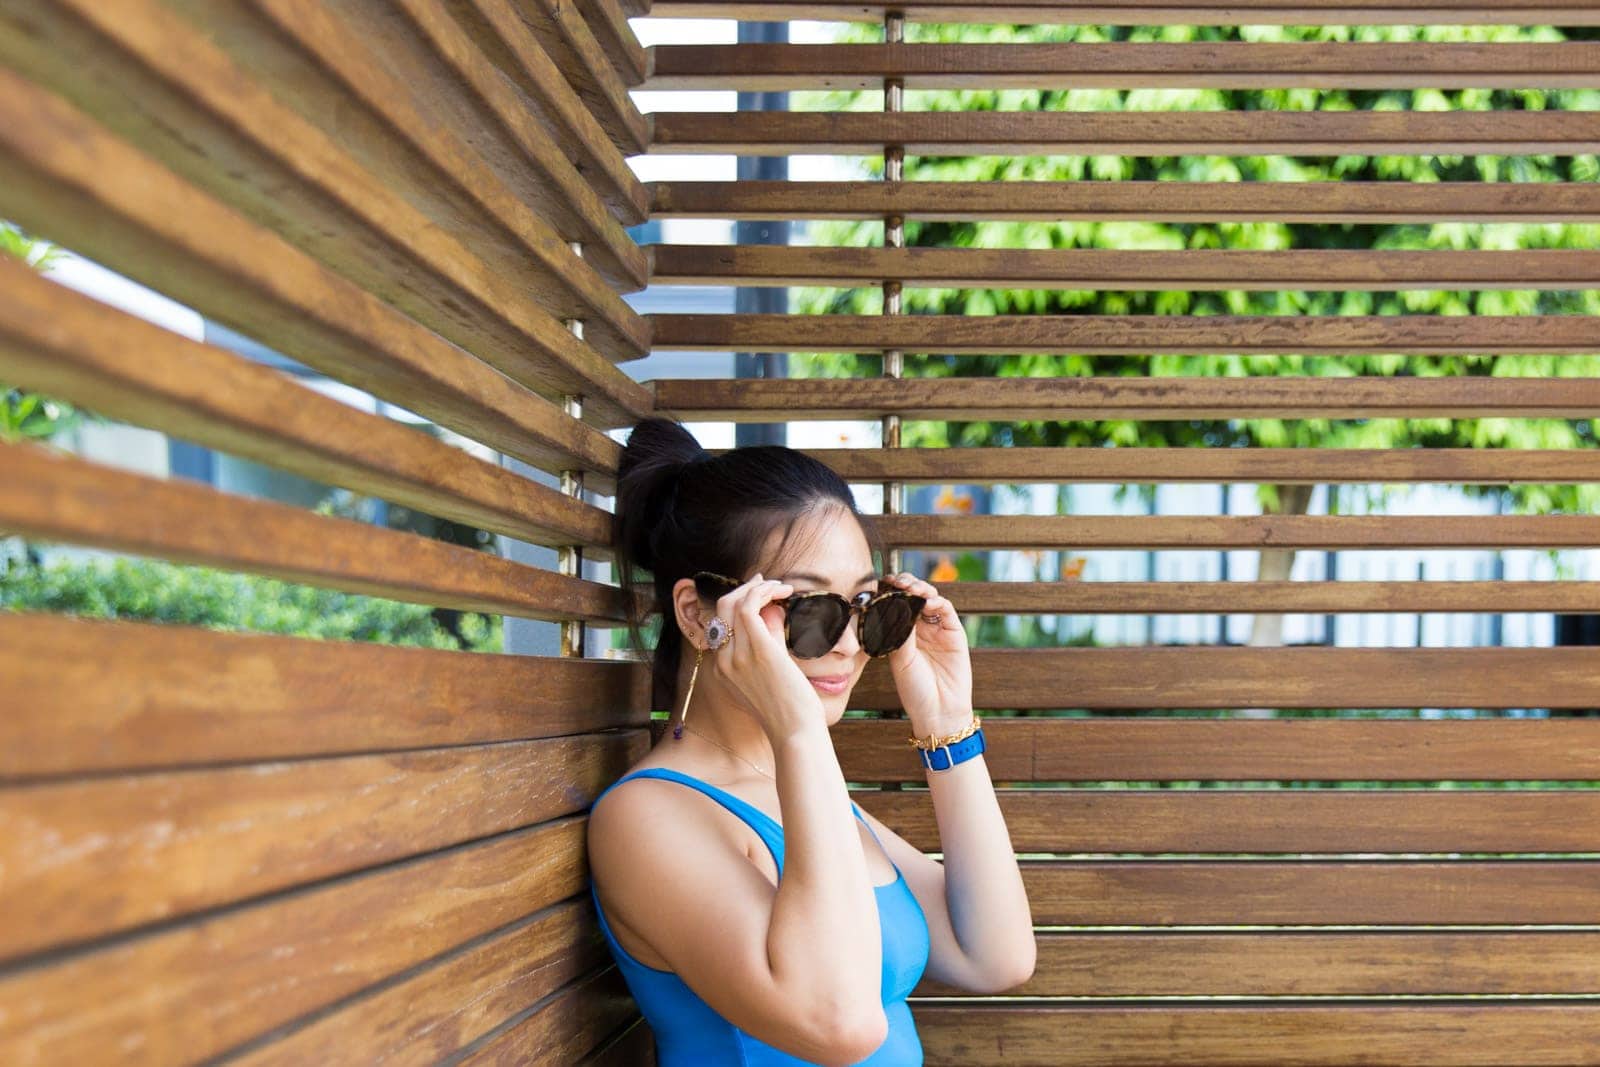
{"points": [[980, 928]]}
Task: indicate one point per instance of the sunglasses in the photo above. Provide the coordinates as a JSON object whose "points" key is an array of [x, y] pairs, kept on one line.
{"points": [[814, 622]]}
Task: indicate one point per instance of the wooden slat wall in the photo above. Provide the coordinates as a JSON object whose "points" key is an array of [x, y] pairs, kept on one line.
{"points": [[242, 848], [1205, 925], [265, 850]]}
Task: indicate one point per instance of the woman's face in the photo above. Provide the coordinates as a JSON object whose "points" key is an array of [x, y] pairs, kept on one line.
{"points": [[838, 560]]}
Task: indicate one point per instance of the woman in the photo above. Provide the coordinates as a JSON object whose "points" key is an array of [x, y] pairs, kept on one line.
{"points": [[758, 916]]}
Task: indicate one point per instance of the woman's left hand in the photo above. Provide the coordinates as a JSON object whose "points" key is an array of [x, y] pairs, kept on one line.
{"points": [[933, 669]]}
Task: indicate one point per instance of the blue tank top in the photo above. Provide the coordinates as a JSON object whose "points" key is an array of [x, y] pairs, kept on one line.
{"points": [[689, 1033]]}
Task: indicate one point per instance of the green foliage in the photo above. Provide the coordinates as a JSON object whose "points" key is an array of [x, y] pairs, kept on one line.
{"points": [[25, 415], [200, 596], [1339, 433]]}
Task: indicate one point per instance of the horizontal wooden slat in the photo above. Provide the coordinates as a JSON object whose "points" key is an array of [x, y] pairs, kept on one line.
{"points": [[1125, 133], [635, 1048], [600, 78], [1281, 466], [1074, 597], [1133, 335], [427, 1017], [74, 348], [1140, 270], [761, 67], [1341, 892], [1320, 749], [208, 119], [562, 1028], [1245, 1034], [1324, 963], [500, 32], [1123, 397], [585, 200], [117, 696], [63, 176], [1152, 12], [1180, 532], [89, 858], [412, 65], [1232, 677], [1387, 202], [59, 498], [1270, 820], [608, 21], [193, 991]]}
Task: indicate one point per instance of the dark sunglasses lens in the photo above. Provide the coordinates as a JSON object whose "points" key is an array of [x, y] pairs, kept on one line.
{"points": [[887, 624], [815, 625]]}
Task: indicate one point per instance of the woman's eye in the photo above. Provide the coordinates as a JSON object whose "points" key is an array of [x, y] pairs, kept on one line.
{"points": [[862, 597]]}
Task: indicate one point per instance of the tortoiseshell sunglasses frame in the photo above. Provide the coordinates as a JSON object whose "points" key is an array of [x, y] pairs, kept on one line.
{"points": [[858, 612]]}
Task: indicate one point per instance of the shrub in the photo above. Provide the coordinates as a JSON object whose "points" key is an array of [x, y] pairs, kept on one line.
{"points": [[155, 591]]}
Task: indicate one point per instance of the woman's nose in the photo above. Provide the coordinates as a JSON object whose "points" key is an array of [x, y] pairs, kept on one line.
{"points": [[850, 641]]}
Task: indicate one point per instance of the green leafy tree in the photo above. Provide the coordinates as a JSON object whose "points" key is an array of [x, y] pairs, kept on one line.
{"points": [[1375, 433], [25, 415]]}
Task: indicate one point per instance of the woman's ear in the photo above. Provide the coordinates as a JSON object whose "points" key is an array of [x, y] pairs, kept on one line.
{"points": [[691, 614]]}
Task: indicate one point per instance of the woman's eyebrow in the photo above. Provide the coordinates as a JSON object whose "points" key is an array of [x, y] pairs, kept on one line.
{"points": [[820, 580]]}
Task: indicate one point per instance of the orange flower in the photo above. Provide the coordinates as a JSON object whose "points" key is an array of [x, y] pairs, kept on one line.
{"points": [[1072, 568], [944, 572]]}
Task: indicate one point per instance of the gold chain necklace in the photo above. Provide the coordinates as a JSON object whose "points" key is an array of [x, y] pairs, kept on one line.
{"points": [[728, 750]]}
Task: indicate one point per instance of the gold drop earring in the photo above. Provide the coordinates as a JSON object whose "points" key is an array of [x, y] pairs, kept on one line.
{"points": [[677, 731]]}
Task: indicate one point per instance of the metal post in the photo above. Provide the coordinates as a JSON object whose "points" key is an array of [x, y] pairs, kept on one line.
{"points": [[894, 236], [569, 561], [762, 299]]}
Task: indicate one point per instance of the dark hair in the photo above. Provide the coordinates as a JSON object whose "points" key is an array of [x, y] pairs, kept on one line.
{"points": [[680, 509]]}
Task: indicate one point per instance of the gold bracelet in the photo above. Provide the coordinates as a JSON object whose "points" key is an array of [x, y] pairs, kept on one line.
{"points": [[933, 742]]}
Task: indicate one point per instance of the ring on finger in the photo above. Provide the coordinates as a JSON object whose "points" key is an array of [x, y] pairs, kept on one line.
{"points": [[719, 631]]}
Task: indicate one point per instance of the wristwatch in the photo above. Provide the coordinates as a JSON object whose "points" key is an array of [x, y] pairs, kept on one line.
{"points": [[946, 756]]}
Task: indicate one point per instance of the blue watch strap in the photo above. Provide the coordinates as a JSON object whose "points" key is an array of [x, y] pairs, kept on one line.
{"points": [[942, 759]]}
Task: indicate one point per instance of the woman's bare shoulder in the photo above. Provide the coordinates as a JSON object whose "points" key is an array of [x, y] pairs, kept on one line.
{"points": [[637, 816]]}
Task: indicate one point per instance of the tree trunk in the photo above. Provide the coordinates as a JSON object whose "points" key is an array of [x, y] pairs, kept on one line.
{"points": [[1276, 565]]}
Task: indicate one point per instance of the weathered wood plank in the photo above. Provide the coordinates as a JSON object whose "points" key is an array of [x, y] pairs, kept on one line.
{"points": [[1122, 397], [54, 497], [84, 859], [1073, 597], [1280, 466], [118, 696], [193, 991], [1312, 202], [502, 35], [1229, 677], [1322, 963], [1138, 270], [442, 1009], [1270, 820], [1134, 335], [600, 78], [65, 177], [1126, 133], [760, 67], [1243, 531], [563, 1028], [1261, 1034], [1237, 750], [156, 80], [75, 348], [1151, 12], [1333, 892]]}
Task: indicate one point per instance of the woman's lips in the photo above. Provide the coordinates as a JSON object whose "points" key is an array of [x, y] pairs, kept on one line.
{"points": [[832, 685]]}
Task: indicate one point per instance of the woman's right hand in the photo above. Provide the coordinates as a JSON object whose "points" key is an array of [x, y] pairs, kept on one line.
{"points": [[756, 662]]}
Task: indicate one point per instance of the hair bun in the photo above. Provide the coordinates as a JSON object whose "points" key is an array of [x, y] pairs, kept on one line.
{"points": [[654, 460]]}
